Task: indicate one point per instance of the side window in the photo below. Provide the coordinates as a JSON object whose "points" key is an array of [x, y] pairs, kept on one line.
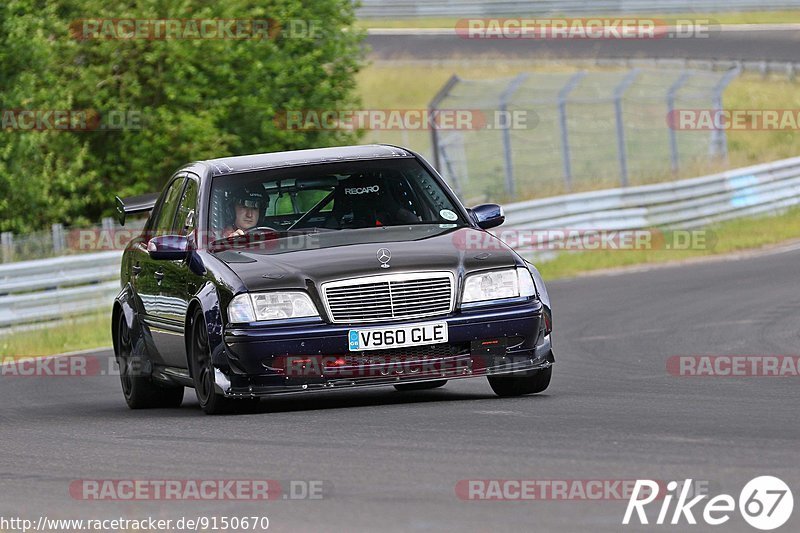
{"points": [[184, 223], [166, 215]]}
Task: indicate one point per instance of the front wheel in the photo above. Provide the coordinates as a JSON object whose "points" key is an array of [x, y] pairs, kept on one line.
{"points": [[139, 390], [203, 374], [517, 386]]}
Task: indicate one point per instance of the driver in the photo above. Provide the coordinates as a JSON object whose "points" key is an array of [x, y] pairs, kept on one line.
{"points": [[248, 206]]}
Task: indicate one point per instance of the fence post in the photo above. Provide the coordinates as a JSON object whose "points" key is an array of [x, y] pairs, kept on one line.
{"points": [[432, 108], [719, 139], [673, 137], [506, 131], [58, 238], [451, 172], [619, 92], [7, 245], [562, 117]]}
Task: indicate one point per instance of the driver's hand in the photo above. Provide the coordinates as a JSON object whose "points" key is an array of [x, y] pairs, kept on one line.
{"points": [[239, 231]]}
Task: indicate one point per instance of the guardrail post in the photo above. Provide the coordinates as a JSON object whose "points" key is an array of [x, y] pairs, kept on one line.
{"points": [[59, 243], [506, 130], [7, 245], [673, 137], [562, 118], [432, 108], [619, 92]]}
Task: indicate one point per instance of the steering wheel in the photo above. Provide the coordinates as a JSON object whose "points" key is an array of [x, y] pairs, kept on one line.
{"points": [[269, 234], [260, 228]]}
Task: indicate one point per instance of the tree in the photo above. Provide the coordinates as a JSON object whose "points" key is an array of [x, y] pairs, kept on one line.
{"points": [[177, 99]]}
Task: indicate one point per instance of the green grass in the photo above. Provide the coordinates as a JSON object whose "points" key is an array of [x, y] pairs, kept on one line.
{"points": [[732, 236], [744, 17], [89, 332], [752, 92]]}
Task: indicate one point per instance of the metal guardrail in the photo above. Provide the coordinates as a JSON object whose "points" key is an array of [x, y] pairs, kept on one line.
{"points": [[689, 203], [463, 8], [51, 289]]}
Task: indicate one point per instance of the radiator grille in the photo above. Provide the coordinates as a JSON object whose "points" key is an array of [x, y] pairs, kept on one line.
{"points": [[390, 297]]}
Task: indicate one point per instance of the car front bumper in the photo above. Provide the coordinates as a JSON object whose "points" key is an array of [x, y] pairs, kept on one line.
{"points": [[508, 339]]}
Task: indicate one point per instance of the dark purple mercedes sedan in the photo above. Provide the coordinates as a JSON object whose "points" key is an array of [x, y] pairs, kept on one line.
{"points": [[320, 270]]}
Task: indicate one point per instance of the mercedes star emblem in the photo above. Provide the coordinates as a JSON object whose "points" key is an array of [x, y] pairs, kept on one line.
{"points": [[384, 255]]}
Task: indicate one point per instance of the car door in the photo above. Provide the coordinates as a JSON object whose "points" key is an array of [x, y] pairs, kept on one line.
{"points": [[173, 297], [151, 277]]}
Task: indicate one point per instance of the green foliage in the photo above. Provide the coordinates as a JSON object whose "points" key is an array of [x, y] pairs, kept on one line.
{"points": [[196, 98]]}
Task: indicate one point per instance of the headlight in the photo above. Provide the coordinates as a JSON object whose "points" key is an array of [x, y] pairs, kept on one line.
{"points": [[252, 307], [498, 285]]}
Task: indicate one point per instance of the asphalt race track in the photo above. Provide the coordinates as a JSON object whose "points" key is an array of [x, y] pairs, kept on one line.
{"points": [[748, 45], [391, 460]]}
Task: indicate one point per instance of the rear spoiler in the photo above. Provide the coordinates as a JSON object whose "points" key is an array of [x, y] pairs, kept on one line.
{"points": [[135, 204]]}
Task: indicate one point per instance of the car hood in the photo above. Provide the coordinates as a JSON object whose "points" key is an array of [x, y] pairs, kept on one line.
{"points": [[305, 260]]}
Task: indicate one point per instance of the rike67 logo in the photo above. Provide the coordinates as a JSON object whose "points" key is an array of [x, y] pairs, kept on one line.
{"points": [[766, 503]]}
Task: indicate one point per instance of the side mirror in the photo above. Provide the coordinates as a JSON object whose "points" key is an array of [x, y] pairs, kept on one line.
{"points": [[488, 215], [168, 247]]}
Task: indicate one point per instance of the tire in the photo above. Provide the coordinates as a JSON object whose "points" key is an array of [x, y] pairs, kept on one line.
{"points": [[140, 392], [507, 386], [425, 385], [211, 402]]}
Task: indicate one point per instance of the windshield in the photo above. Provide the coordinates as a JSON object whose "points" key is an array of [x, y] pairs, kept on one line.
{"points": [[334, 196]]}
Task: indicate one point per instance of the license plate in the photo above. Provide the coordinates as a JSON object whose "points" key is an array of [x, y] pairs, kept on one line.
{"points": [[397, 336]]}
